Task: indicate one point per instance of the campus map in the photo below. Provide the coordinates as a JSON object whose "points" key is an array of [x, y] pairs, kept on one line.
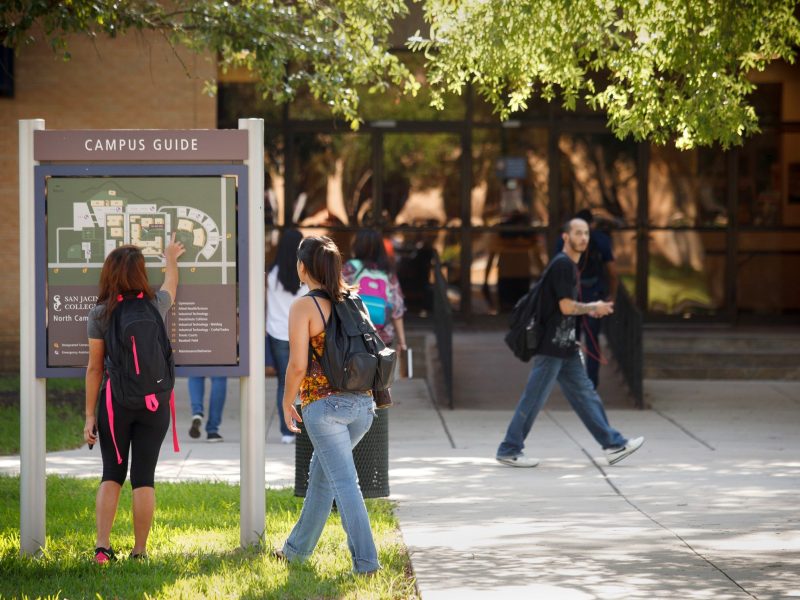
{"points": [[90, 216]]}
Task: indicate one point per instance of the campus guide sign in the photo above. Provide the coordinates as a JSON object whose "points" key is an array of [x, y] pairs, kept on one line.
{"points": [[87, 207], [84, 193]]}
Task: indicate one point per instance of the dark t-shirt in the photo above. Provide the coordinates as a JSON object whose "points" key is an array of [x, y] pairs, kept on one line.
{"points": [[592, 266], [561, 281]]}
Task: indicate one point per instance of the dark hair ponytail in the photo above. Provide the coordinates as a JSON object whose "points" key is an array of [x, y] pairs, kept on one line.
{"points": [[286, 260], [323, 261]]}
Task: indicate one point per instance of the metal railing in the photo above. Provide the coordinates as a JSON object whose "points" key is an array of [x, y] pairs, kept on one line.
{"points": [[443, 326], [624, 332]]}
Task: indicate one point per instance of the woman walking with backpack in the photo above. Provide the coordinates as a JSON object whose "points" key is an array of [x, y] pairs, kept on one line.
{"points": [[371, 273], [122, 429], [334, 420]]}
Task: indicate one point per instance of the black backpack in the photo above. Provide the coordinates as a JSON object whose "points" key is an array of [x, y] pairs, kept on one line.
{"points": [[355, 358], [526, 321], [139, 363]]}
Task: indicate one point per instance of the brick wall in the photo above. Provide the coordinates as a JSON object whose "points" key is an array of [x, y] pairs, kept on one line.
{"points": [[133, 82]]}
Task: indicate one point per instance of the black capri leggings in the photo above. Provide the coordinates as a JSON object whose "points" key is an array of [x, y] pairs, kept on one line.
{"points": [[138, 432]]}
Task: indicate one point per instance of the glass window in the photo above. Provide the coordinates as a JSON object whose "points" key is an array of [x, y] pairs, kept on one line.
{"points": [[421, 179], [332, 179], [760, 181], [790, 179], [686, 275], [687, 188], [766, 272], [623, 245], [413, 255], [510, 177], [598, 172], [769, 180], [504, 264]]}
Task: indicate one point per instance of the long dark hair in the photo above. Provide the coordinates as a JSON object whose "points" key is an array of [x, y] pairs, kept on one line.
{"points": [[323, 261], [123, 273], [286, 260], [368, 248]]}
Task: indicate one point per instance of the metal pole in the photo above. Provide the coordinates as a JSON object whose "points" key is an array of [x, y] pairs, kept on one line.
{"points": [[32, 391], [253, 484]]}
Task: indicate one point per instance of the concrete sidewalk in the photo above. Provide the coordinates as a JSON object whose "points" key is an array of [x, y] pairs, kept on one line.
{"points": [[706, 509]]}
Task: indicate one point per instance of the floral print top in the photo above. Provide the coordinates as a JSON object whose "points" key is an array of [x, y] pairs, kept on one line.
{"points": [[315, 385]]}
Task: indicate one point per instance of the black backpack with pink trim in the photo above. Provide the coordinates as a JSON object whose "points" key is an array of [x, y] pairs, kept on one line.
{"points": [[139, 363]]}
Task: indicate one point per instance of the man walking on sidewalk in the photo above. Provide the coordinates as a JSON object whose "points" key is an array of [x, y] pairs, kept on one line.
{"points": [[558, 359]]}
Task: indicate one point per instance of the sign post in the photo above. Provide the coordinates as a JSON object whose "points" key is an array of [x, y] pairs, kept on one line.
{"points": [[32, 390], [253, 411], [94, 191]]}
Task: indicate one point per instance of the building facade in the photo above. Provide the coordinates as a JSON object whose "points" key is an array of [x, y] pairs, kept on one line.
{"points": [[700, 236], [705, 235], [136, 81]]}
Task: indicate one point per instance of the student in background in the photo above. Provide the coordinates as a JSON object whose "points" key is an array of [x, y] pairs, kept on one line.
{"points": [[283, 287], [598, 281], [371, 273], [216, 403]]}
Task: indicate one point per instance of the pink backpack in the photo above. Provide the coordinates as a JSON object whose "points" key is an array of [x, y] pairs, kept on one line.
{"points": [[373, 288]]}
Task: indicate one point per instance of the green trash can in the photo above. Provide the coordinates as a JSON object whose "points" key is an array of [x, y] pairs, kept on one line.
{"points": [[371, 456]]}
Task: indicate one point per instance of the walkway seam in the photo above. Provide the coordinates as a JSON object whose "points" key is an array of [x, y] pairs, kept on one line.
{"points": [[643, 512], [183, 464], [441, 416], [782, 393], [683, 429]]}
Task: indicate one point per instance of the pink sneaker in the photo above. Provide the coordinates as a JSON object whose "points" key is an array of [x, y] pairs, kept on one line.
{"points": [[104, 555]]}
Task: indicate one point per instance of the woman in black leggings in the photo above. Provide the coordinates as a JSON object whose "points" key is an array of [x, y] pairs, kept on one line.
{"points": [[136, 432]]}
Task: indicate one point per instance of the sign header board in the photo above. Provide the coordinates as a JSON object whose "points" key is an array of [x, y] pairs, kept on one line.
{"points": [[140, 145]]}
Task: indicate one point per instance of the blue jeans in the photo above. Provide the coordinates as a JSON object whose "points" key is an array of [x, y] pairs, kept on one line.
{"points": [[571, 376], [216, 401], [335, 425], [280, 352]]}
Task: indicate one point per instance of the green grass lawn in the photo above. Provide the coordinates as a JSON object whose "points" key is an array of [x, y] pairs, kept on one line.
{"points": [[194, 549], [65, 414]]}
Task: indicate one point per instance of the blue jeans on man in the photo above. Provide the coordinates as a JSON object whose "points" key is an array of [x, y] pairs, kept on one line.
{"points": [[571, 376], [335, 425], [216, 401]]}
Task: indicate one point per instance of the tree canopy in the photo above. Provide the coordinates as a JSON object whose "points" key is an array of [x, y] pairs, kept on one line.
{"points": [[335, 48], [659, 69]]}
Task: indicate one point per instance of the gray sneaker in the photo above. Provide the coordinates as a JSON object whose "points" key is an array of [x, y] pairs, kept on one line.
{"points": [[520, 460], [194, 430], [614, 455]]}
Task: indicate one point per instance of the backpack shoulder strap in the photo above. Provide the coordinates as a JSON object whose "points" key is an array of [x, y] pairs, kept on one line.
{"points": [[314, 294], [321, 314]]}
